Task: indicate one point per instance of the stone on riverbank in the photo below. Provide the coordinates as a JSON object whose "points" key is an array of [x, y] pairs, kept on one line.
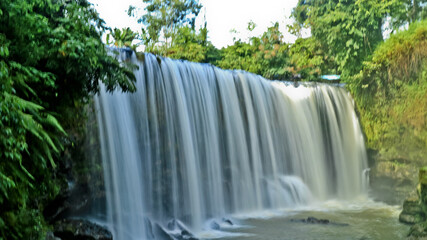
{"points": [[78, 229]]}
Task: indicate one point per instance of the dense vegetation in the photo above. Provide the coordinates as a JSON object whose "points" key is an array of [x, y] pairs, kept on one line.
{"points": [[52, 58], [391, 93]]}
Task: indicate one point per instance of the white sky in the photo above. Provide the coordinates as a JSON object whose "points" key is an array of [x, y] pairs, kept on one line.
{"points": [[221, 16]]}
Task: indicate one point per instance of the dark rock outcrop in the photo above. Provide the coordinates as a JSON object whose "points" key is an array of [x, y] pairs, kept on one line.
{"points": [[160, 234], [214, 225], [228, 221], [412, 212], [418, 231], [313, 220], [51, 236], [184, 233], [77, 229], [415, 209], [391, 180]]}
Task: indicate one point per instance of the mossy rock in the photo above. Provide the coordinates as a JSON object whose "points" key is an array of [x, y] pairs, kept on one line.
{"points": [[422, 176], [412, 205], [411, 218], [76, 229], [423, 185], [419, 230]]}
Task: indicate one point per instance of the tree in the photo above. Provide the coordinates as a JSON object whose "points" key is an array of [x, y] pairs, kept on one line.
{"points": [[349, 30], [273, 54], [122, 38], [266, 55], [163, 19], [169, 30], [310, 60], [391, 95], [51, 60], [405, 12]]}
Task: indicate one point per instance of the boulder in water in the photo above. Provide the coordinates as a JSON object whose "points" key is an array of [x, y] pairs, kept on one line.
{"points": [[172, 225], [149, 228], [51, 236], [79, 229], [186, 235], [160, 233], [214, 225], [228, 221], [313, 220]]}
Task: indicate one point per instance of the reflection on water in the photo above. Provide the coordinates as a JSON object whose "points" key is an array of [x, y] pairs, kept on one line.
{"points": [[366, 220]]}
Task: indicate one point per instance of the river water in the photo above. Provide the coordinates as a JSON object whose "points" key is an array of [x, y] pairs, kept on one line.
{"points": [[359, 220]]}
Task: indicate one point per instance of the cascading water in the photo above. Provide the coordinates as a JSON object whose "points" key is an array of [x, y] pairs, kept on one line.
{"points": [[196, 142]]}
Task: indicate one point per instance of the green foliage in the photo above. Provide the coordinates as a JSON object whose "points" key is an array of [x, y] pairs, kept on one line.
{"points": [[348, 30], [404, 12], [241, 56], [391, 94], [51, 59], [310, 60], [266, 55], [164, 17], [122, 38], [398, 61], [188, 45], [169, 31]]}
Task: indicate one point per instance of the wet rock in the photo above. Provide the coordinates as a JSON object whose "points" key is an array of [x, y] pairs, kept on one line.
{"points": [[188, 235], [160, 234], [72, 201], [226, 220], [316, 221], [185, 235], [313, 220], [392, 180], [422, 188], [214, 225], [184, 232], [415, 209], [76, 229], [149, 228], [172, 225], [412, 211], [418, 231], [51, 236]]}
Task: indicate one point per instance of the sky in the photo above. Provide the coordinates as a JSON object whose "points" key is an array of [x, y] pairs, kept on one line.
{"points": [[221, 15]]}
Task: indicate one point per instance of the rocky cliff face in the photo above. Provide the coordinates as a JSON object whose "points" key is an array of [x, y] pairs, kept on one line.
{"points": [[415, 208], [82, 190], [392, 179]]}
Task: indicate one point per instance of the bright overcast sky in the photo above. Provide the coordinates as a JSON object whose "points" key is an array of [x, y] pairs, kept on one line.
{"points": [[221, 16]]}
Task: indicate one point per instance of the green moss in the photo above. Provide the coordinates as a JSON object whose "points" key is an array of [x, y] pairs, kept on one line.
{"points": [[391, 95]]}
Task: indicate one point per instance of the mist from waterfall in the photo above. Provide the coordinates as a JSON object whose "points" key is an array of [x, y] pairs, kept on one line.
{"points": [[196, 142]]}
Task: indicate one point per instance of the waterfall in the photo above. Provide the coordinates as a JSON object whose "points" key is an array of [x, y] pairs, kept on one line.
{"points": [[196, 142]]}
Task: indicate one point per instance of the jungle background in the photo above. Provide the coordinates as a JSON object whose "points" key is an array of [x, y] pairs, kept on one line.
{"points": [[52, 57]]}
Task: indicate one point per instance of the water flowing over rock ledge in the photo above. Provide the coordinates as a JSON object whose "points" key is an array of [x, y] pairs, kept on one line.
{"points": [[196, 143]]}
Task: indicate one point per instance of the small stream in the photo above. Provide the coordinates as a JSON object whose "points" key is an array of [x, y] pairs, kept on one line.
{"points": [[359, 220]]}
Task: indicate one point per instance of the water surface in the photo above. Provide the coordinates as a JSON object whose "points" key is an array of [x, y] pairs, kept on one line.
{"points": [[365, 220]]}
